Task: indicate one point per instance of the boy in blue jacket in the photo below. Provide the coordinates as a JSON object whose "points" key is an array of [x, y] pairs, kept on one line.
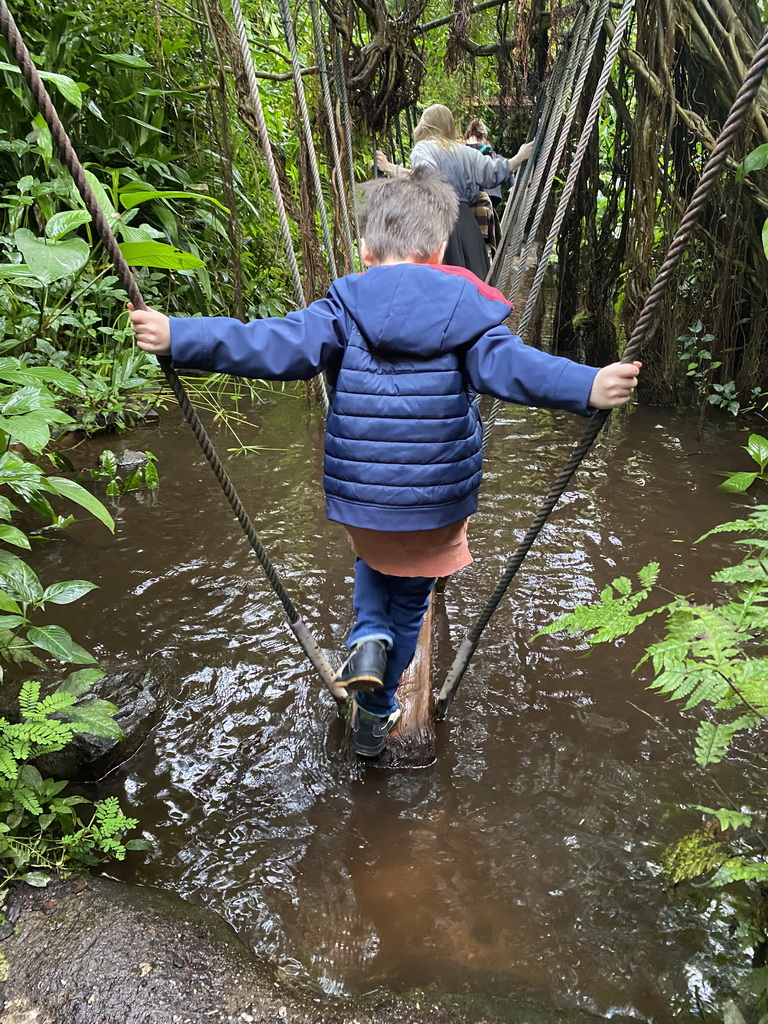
{"points": [[405, 346]]}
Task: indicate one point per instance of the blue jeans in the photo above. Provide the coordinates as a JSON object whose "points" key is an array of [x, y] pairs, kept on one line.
{"points": [[388, 608]]}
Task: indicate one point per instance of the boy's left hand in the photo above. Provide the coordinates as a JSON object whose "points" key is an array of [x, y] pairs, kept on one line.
{"points": [[613, 385], [152, 330]]}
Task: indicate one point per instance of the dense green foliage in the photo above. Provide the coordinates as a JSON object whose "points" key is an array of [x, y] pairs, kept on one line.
{"points": [[39, 827], [713, 658]]}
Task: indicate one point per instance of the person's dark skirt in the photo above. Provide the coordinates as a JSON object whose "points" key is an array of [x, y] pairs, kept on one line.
{"points": [[466, 247]]}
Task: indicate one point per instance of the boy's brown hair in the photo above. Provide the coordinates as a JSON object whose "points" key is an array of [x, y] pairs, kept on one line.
{"points": [[411, 215]]}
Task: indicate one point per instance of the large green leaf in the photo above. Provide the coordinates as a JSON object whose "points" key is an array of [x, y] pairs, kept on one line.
{"points": [[51, 261], [737, 483], [30, 398], [21, 582], [755, 161], [32, 429], [57, 641], [66, 221], [20, 475], [132, 195], [126, 60], [102, 198], [757, 446], [11, 535], [13, 371], [68, 591], [16, 271], [68, 88], [80, 681], [158, 254], [93, 717], [69, 489]]}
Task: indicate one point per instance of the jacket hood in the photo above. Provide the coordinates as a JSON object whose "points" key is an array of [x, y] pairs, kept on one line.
{"points": [[416, 309]]}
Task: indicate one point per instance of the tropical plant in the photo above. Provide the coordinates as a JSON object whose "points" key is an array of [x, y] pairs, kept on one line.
{"points": [[757, 449], [713, 658], [39, 827]]}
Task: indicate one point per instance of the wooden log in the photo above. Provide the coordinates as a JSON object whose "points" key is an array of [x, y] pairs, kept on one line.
{"points": [[411, 744]]}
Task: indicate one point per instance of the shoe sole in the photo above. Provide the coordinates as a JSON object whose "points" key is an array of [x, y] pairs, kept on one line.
{"points": [[365, 683]]}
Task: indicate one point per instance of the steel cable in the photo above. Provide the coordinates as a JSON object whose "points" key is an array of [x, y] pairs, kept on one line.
{"points": [[573, 171], [562, 87], [71, 162], [644, 326]]}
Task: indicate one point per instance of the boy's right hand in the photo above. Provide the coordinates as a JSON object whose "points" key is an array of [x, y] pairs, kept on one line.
{"points": [[152, 330], [613, 385]]}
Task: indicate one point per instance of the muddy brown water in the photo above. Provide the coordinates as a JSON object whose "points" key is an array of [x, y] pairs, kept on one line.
{"points": [[525, 860]]}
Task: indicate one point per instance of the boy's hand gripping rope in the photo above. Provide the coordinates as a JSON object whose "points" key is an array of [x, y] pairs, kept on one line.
{"points": [[644, 325], [69, 159]]}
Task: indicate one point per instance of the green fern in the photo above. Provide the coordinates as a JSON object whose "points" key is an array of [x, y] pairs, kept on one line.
{"points": [[613, 615], [726, 818], [755, 524], [713, 740], [695, 854], [740, 869]]}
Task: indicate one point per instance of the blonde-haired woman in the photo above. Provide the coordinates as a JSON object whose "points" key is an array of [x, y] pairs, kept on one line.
{"points": [[468, 170]]}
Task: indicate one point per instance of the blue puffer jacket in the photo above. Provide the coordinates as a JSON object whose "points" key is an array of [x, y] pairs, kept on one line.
{"points": [[404, 347]]}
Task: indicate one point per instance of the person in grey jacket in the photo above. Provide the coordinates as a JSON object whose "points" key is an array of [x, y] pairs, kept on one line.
{"points": [[468, 170]]}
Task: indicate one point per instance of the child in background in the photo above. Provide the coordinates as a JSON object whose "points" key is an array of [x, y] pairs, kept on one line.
{"points": [[405, 347]]}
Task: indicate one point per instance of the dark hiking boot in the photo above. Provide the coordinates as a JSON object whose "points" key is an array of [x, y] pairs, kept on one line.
{"points": [[364, 668], [369, 731]]}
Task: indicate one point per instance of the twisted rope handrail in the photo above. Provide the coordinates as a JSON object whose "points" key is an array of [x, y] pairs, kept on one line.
{"points": [[331, 119], [298, 84], [645, 324], [71, 162], [578, 158], [565, 132], [341, 92], [274, 180]]}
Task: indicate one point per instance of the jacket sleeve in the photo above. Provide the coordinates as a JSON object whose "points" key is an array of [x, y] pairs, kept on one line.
{"points": [[502, 365], [488, 171], [297, 346]]}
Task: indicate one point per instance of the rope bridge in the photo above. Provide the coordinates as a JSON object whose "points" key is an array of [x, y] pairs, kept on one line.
{"points": [[521, 224]]}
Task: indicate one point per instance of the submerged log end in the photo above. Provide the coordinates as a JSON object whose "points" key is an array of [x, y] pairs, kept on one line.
{"points": [[412, 743]]}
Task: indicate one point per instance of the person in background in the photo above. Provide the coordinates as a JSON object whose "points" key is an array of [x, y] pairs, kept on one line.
{"points": [[406, 346], [476, 137], [467, 170]]}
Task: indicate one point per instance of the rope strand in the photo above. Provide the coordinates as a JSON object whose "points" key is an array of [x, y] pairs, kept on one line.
{"points": [[69, 159]]}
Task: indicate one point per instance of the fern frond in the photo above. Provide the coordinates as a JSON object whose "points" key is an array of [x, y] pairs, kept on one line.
{"points": [[29, 695], [9, 766], [712, 741], [757, 523], [693, 855], [613, 615], [691, 683], [738, 869], [54, 702], [28, 799], [749, 571], [726, 818]]}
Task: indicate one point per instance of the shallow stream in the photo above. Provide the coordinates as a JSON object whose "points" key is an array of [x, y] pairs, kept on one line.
{"points": [[524, 862]]}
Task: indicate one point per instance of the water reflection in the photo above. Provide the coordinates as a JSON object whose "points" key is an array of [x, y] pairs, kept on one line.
{"points": [[524, 860]]}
